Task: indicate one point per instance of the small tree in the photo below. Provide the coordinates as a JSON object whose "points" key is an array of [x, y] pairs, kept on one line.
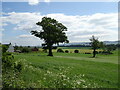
{"points": [[52, 33], [95, 45]]}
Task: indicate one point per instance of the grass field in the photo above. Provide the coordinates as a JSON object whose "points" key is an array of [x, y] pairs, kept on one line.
{"points": [[69, 70]]}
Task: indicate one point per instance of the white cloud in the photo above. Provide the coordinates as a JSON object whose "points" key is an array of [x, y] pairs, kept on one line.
{"points": [[80, 28], [47, 0], [25, 36], [36, 2], [23, 21], [33, 2]]}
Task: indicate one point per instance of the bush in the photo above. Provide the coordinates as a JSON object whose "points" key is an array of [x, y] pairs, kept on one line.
{"points": [[100, 51], [106, 52], [11, 70], [76, 51], [60, 50], [96, 52], [45, 50], [19, 65], [7, 60], [4, 48], [25, 50], [66, 51]]}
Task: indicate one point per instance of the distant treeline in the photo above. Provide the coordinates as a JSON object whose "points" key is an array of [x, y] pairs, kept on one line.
{"points": [[110, 45], [75, 46]]}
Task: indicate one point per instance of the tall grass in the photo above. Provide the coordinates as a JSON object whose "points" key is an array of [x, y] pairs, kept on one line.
{"points": [[61, 72]]}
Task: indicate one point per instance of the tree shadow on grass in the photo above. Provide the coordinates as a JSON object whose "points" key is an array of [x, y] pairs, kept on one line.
{"points": [[92, 57]]}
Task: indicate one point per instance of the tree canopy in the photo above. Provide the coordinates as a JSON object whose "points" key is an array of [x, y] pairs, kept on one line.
{"points": [[95, 44], [52, 33]]}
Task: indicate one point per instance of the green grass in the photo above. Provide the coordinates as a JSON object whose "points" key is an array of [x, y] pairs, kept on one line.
{"points": [[69, 70]]}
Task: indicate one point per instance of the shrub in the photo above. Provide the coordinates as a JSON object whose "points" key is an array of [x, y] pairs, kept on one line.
{"points": [[7, 60], [100, 51], [106, 52], [60, 50], [76, 51], [66, 51], [25, 50], [19, 65], [4, 48], [96, 52]]}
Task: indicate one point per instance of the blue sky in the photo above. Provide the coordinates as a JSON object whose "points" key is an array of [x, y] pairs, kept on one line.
{"points": [[63, 10], [69, 8]]}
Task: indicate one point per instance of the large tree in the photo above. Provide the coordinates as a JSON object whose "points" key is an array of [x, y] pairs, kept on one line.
{"points": [[94, 44], [52, 33]]}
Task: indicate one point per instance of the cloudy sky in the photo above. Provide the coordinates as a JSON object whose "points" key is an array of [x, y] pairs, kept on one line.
{"points": [[83, 19]]}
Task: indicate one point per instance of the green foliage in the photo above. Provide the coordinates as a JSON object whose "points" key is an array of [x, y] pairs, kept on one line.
{"points": [[16, 48], [110, 48], [66, 51], [106, 52], [102, 45], [76, 51], [11, 75], [4, 48], [95, 44], [60, 50], [11, 70], [11, 79], [52, 33], [25, 50], [7, 60]]}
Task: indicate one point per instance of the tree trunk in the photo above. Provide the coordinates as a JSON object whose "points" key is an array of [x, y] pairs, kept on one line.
{"points": [[94, 53], [50, 51]]}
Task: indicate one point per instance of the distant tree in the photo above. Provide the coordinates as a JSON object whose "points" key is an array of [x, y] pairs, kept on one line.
{"points": [[25, 50], [76, 51], [102, 46], [95, 45], [28, 46], [16, 47], [52, 33], [66, 51], [110, 48], [60, 50]]}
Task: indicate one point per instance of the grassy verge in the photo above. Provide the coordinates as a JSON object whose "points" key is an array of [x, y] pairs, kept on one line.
{"points": [[65, 71]]}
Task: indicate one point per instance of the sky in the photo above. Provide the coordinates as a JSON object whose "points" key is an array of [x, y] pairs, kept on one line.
{"points": [[82, 19]]}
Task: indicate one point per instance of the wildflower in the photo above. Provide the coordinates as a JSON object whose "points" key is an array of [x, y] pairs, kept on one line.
{"points": [[78, 82], [44, 78], [63, 76], [48, 72], [67, 77]]}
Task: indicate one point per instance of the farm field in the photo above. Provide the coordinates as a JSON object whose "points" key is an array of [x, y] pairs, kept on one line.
{"points": [[71, 49], [69, 70]]}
